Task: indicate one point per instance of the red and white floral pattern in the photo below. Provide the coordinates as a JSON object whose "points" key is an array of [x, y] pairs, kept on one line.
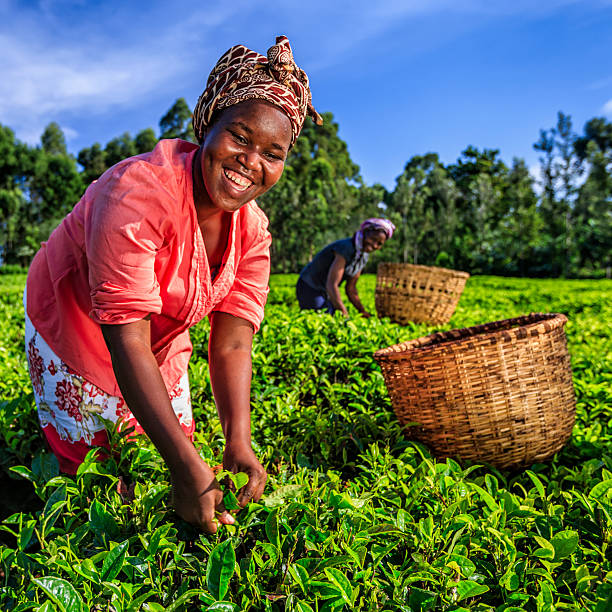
{"points": [[71, 405]]}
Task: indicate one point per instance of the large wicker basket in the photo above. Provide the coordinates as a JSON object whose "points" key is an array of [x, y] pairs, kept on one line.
{"points": [[423, 294], [499, 393]]}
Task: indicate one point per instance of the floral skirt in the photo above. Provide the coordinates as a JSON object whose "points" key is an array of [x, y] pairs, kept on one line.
{"points": [[69, 406]]}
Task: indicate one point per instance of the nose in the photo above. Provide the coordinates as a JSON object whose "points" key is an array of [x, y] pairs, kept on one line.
{"points": [[248, 159]]}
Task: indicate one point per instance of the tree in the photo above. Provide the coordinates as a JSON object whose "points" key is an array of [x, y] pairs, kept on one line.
{"points": [[444, 197], [53, 140], [16, 165], [520, 230], [54, 188], [145, 141], [560, 167], [408, 207], [546, 146], [471, 164], [118, 149], [567, 169], [93, 161], [176, 123], [593, 209]]}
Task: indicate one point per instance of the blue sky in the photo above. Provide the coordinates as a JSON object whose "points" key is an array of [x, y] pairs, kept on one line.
{"points": [[401, 78]]}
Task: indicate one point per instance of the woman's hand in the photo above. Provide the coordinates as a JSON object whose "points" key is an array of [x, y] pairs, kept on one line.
{"points": [[198, 499], [241, 458]]}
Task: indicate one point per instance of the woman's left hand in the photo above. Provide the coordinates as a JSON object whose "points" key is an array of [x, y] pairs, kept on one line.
{"points": [[241, 458]]}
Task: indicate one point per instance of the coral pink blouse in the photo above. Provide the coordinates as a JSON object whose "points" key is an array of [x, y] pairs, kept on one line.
{"points": [[132, 246]]}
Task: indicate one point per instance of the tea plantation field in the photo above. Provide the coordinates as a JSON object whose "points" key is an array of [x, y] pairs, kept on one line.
{"points": [[354, 516]]}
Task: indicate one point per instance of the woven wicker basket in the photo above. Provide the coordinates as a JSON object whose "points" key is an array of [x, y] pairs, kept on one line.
{"points": [[423, 294], [500, 393]]}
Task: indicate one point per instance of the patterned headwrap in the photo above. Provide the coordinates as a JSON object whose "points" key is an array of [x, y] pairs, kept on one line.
{"points": [[357, 264], [242, 74]]}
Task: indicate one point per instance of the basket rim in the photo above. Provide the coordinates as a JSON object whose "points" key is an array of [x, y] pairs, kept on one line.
{"points": [[459, 273], [520, 327]]}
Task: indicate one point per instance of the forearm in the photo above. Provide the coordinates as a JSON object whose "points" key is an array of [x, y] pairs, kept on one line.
{"points": [[145, 393], [229, 358], [230, 377], [353, 297], [333, 292]]}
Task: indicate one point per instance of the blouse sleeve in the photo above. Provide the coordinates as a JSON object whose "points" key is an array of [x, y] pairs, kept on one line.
{"points": [[248, 295], [122, 236]]}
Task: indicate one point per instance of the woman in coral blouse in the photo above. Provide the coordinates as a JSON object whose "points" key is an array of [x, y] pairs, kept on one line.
{"points": [[157, 243]]}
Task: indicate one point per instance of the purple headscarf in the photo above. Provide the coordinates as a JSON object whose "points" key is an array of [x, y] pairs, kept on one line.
{"points": [[378, 224]]}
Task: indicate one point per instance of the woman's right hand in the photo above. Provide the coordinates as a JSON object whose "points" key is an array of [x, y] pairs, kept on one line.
{"points": [[198, 499]]}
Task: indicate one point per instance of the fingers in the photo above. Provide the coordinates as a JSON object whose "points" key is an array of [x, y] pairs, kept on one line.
{"points": [[254, 488], [226, 518], [206, 511]]}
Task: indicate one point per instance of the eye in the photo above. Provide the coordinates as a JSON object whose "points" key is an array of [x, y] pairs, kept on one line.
{"points": [[273, 156], [238, 137]]}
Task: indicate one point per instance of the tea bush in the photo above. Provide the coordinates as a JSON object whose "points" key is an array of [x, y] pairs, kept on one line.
{"points": [[354, 516]]}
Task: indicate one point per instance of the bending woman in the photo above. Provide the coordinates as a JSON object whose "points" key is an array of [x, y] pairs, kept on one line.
{"points": [[158, 242], [318, 286]]}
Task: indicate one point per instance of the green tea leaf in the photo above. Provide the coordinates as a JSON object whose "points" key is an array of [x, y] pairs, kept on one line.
{"points": [[45, 466], [178, 603], [223, 606], [564, 543], [299, 575], [601, 489], [239, 479], [62, 593], [337, 578], [510, 580], [230, 501], [25, 534], [547, 551], [538, 483], [220, 569], [280, 495], [24, 472], [101, 521], [88, 569], [485, 496], [460, 564], [271, 527], [469, 588], [113, 562]]}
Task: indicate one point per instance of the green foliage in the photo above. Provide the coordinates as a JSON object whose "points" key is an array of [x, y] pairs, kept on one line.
{"points": [[176, 123], [53, 140], [354, 516]]}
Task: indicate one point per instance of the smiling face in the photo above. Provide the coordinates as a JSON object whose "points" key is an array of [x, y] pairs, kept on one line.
{"points": [[242, 156], [373, 239]]}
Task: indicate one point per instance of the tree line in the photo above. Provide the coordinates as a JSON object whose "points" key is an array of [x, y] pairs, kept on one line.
{"points": [[476, 214]]}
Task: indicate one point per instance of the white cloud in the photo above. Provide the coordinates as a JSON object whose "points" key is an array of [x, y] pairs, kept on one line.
{"points": [[51, 67], [607, 108], [69, 133]]}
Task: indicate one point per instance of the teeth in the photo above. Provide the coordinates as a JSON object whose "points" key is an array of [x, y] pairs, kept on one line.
{"points": [[238, 179]]}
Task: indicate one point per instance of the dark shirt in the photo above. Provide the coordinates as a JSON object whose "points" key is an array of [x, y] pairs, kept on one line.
{"points": [[315, 273]]}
